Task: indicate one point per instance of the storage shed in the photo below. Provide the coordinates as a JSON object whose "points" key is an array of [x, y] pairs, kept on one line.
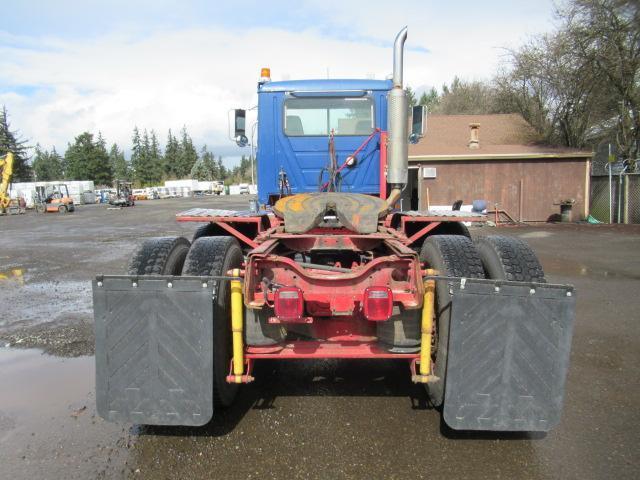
{"points": [[494, 158]]}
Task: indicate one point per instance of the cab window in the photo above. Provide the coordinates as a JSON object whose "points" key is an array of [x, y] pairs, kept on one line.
{"points": [[319, 116]]}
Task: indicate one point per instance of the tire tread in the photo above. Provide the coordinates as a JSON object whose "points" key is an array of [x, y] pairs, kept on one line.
{"points": [[152, 256], [208, 256], [519, 262]]}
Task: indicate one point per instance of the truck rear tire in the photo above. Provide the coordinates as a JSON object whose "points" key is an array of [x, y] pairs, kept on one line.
{"points": [[452, 256], [205, 230], [159, 256], [508, 258], [215, 256]]}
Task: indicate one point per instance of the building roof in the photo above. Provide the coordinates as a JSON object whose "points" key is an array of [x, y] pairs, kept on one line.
{"points": [[502, 136], [326, 85]]}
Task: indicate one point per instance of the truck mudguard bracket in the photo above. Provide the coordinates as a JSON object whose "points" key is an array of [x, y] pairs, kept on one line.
{"points": [[508, 355], [154, 349]]}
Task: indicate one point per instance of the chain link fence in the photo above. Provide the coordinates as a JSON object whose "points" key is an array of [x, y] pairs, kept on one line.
{"points": [[625, 198], [631, 213]]}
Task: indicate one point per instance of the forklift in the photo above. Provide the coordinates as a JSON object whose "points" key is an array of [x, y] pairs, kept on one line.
{"points": [[54, 198], [124, 195]]}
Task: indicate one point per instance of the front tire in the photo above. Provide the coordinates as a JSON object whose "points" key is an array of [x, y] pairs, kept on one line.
{"points": [[214, 256], [451, 256]]}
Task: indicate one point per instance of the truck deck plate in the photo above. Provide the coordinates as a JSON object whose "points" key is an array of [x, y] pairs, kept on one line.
{"points": [[154, 349], [508, 355]]}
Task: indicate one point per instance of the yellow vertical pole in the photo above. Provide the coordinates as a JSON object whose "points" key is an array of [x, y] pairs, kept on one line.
{"points": [[427, 327], [236, 327]]}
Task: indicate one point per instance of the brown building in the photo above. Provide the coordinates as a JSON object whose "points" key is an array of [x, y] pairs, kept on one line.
{"points": [[493, 158]]}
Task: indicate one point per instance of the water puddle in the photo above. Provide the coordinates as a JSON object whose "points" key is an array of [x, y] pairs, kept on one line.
{"points": [[569, 268], [40, 383], [537, 234], [48, 424]]}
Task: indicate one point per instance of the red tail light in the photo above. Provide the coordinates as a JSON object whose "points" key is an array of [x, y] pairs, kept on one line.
{"points": [[288, 304], [378, 303]]}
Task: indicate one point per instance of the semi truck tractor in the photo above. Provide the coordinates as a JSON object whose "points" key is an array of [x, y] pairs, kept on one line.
{"points": [[328, 267]]}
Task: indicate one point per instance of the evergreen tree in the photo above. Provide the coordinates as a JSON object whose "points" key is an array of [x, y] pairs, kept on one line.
{"points": [[205, 167], [121, 170], [411, 97], [430, 100], [10, 141], [145, 164], [47, 166], [57, 164], [87, 159], [136, 155], [101, 143], [188, 155], [147, 167], [221, 170], [146, 158], [155, 159], [171, 157]]}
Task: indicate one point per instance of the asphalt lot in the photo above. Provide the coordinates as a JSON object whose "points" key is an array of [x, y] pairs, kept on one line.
{"points": [[331, 419]]}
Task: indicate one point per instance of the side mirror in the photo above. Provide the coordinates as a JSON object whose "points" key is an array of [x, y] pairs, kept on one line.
{"points": [[239, 134], [239, 122], [418, 123]]}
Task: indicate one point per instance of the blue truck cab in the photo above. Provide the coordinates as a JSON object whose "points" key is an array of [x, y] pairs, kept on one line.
{"points": [[295, 120]]}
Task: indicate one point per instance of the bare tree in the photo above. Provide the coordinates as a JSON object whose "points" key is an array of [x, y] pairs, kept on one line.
{"points": [[580, 83], [606, 35], [554, 89]]}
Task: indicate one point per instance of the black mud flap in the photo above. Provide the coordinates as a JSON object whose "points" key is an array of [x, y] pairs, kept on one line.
{"points": [[154, 349], [509, 348]]}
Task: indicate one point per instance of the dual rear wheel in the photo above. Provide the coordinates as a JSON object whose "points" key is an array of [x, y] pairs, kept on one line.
{"points": [[206, 256], [494, 257]]}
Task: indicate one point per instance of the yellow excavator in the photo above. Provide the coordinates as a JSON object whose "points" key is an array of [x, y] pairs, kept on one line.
{"points": [[6, 169]]}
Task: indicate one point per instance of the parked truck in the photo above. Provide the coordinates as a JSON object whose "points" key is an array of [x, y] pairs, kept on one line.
{"points": [[328, 267]]}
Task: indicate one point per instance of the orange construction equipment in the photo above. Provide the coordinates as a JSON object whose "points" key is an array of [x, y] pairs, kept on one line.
{"points": [[54, 198]]}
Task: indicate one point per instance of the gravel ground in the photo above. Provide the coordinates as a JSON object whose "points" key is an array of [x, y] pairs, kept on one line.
{"points": [[329, 419]]}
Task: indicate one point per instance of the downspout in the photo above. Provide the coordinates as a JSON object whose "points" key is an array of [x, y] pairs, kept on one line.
{"points": [[398, 148]]}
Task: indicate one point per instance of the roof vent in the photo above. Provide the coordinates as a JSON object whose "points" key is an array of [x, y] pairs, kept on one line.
{"points": [[474, 141]]}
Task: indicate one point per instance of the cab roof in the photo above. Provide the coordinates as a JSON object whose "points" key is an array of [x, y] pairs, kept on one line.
{"points": [[325, 85]]}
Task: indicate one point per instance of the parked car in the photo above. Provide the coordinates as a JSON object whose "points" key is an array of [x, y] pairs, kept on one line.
{"points": [[244, 189]]}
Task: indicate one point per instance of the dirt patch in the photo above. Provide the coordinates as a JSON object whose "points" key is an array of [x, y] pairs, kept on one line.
{"points": [[73, 340]]}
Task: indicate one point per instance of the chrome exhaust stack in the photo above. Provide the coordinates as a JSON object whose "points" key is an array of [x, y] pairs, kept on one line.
{"points": [[397, 113]]}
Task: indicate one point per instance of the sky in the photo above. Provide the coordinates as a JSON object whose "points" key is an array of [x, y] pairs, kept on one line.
{"points": [[69, 66]]}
